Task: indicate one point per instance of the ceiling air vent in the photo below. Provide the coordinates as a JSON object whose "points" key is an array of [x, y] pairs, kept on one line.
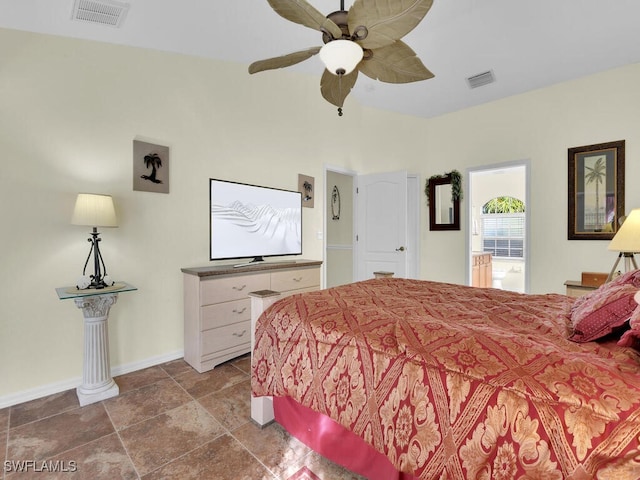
{"points": [[102, 12], [481, 79]]}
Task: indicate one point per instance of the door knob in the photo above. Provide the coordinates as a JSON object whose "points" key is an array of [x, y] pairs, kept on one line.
{"points": [[401, 249]]}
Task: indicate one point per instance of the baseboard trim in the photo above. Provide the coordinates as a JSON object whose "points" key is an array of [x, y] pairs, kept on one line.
{"points": [[57, 387]]}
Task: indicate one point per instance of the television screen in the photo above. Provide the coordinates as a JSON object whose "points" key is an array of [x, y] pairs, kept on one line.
{"points": [[249, 221]]}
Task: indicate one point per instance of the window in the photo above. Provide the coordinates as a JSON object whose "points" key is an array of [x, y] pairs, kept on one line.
{"points": [[503, 227]]}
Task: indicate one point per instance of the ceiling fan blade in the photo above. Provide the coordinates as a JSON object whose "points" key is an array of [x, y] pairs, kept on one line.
{"points": [[299, 11], [283, 61], [386, 20], [395, 63], [335, 89]]}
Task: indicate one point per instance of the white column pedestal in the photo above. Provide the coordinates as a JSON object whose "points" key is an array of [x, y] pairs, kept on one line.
{"points": [[97, 383], [261, 407]]}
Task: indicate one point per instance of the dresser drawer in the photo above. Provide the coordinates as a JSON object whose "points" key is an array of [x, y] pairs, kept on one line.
{"points": [[481, 259], [226, 337], [220, 314], [295, 279], [231, 288], [294, 292], [217, 306]]}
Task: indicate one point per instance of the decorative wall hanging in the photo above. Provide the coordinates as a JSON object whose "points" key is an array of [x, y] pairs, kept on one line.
{"points": [[150, 167], [306, 187], [596, 190], [456, 184], [444, 193], [335, 203]]}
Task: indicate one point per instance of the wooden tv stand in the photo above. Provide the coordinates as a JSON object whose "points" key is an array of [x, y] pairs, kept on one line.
{"points": [[217, 307]]}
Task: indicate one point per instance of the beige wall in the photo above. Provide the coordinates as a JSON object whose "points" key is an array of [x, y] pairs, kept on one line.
{"points": [[69, 111], [539, 126]]}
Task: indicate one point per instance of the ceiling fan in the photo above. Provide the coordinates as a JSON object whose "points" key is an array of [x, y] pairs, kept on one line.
{"points": [[364, 39]]}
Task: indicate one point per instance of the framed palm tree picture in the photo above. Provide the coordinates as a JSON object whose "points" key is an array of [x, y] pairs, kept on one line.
{"points": [[596, 190], [150, 167]]}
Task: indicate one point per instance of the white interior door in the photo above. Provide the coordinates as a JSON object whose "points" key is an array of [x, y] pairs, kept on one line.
{"points": [[381, 235]]}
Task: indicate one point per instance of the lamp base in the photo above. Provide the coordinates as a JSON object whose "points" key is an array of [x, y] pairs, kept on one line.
{"points": [[97, 284], [86, 283], [629, 259], [98, 280]]}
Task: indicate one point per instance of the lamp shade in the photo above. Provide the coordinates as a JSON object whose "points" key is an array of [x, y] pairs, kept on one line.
{"points": [[94, 211], [341, 57], [627, 239]]}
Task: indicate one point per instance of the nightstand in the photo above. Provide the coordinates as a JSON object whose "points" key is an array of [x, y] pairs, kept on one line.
{"points": [[575, 288], [382, 274]]}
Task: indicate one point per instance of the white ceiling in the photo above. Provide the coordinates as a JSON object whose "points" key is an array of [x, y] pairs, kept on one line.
{"points": [[527, 44]]}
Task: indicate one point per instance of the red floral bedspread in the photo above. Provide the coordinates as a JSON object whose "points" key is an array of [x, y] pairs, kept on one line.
{"points": [[453, 382]]}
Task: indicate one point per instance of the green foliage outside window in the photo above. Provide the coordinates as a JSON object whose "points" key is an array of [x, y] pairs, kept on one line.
{"points": [[503, 205]]}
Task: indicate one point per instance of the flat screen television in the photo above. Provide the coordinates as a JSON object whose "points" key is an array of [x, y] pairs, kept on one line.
{"points": [[250, 221]]}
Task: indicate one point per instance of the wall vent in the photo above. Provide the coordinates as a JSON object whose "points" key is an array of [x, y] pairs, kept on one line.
{"points": [[481, 79], [102, 12]]}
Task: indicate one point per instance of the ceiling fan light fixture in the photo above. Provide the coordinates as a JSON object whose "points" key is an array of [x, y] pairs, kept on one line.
{"points": [[341, 56]]}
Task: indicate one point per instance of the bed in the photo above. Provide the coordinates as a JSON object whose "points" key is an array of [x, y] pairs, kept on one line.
{"points": [[408, 379]]}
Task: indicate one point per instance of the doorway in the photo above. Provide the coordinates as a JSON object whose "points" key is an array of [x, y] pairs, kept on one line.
{"points": [[345, 257], [498, 223], [339, 220]]}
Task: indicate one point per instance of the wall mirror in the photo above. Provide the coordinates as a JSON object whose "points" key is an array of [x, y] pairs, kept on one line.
{"points": [[444, 211]]}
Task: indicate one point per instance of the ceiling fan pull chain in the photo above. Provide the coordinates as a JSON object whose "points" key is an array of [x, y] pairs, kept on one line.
{"points": [[340, 91]]}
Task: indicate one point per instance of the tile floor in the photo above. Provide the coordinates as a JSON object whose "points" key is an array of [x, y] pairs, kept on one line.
{"points": [[169, 421]]}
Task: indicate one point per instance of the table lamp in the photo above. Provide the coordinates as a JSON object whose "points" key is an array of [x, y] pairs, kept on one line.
{"points": [[94, 211], [627, 242]]}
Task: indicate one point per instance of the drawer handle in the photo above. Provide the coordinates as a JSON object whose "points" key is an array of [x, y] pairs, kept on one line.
{"points": [[239, 311], [299, 279], [236, 334], [240, 288]]}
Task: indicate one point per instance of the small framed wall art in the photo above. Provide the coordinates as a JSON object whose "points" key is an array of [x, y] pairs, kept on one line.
{"points": [[150, 167], [306, 188]]}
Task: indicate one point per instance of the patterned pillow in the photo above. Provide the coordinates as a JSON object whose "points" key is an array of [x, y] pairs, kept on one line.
{"points": [[631, 278], [598, 313], [631, 338]]}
